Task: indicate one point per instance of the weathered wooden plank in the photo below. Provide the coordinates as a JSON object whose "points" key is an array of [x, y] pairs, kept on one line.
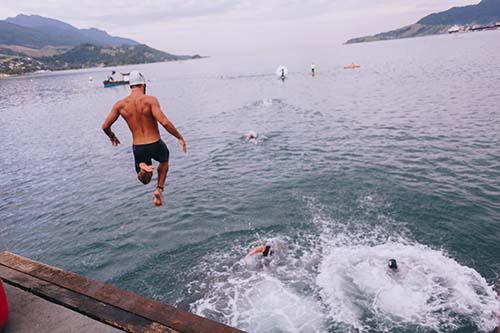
{"points": [[167, 315], [88, 306]]}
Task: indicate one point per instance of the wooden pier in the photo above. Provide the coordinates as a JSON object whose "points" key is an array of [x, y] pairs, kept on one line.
{"points": [[115, 309]]}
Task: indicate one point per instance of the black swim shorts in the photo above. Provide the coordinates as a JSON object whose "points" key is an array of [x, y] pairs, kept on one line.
{"points": [[157, 151]]}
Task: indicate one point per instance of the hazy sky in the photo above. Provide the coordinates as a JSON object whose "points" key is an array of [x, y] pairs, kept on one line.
{"points": [[232, 26]]}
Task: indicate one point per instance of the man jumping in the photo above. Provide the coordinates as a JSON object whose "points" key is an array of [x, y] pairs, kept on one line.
{"points": [[142, 114]]}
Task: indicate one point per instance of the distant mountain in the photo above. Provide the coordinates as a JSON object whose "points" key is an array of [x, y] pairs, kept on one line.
{"points": [[88, 55], [487, 12], [63, 33], [37, 21], [409, 31], [12, 34], [31, 43], [101, 37]]}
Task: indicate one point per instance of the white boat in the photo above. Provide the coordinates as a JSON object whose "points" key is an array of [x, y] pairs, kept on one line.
{"points": [[454, 29]]}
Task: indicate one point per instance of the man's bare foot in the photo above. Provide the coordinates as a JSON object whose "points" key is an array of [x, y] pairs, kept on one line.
{"points": [[158, 196], [146, 173], [145, 167]]}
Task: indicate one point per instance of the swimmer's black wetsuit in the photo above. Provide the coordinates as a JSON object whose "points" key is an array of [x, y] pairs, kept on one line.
{"points": [[144, 153]]}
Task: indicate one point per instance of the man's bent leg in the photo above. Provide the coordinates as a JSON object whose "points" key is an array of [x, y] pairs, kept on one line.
{"points": [[162, 176], [143, 163]]}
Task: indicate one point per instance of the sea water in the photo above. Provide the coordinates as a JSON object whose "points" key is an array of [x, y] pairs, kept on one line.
{"points": [[397, 159]]}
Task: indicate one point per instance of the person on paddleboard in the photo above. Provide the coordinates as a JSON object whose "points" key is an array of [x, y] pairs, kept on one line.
{"points": [[142, 114]]}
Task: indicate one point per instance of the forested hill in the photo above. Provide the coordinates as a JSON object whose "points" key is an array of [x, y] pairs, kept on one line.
{"points": [[55, 33], [486, 12], [30, 43]]}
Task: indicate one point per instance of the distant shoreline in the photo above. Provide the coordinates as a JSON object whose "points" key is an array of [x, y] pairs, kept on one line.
{"points": [[50, 71], [56, 45], [379, 38], [484, 15]]}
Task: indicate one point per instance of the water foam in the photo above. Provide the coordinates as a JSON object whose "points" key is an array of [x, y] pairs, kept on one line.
{"points": [[335, 278], [258, 299], [267, 101], [429, 290]]}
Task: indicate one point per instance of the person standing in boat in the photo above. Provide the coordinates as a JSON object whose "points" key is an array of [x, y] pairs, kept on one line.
{"points": [[313, 69], [111, 77], [142, 114]]}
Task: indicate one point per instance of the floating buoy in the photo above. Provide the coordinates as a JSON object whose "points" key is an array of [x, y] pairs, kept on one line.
{"points": [[352, 66]]}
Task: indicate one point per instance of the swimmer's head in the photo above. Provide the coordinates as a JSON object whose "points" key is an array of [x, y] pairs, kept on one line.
{"points": [[393, 264], [251, 135], [268, 251]]}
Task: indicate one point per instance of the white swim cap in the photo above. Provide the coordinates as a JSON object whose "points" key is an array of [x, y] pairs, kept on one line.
{"points": [[136, 78]]}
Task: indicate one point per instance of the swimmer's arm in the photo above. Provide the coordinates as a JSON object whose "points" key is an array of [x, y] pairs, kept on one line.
{"points": [[166, 123], [258, 249], [110, 119]]}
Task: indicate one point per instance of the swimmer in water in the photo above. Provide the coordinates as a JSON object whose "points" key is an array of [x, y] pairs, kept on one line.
{"points": [[251, 136], [264, 251], [393, 265]]}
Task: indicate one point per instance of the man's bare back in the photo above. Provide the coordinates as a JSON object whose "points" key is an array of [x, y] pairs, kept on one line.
{"points": [[142, 114], [137, 110]]}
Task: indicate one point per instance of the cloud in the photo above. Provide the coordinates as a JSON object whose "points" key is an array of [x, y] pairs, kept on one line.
{"points": [[118, 12], [134, 13], [209, 26]]}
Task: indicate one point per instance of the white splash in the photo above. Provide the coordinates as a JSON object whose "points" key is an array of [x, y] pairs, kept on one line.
{"points": [[429, 290], [334, 277], [257, 301], [267, 102]]}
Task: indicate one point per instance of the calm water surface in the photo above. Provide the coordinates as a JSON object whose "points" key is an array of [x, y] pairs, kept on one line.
{"points": [[399, 159]]}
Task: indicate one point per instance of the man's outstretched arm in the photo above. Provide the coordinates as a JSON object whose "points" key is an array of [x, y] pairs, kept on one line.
{"points": [[106, 126], [166, 123]]}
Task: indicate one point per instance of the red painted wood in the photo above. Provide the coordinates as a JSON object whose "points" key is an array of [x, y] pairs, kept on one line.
{"points": [[4, 307]]}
